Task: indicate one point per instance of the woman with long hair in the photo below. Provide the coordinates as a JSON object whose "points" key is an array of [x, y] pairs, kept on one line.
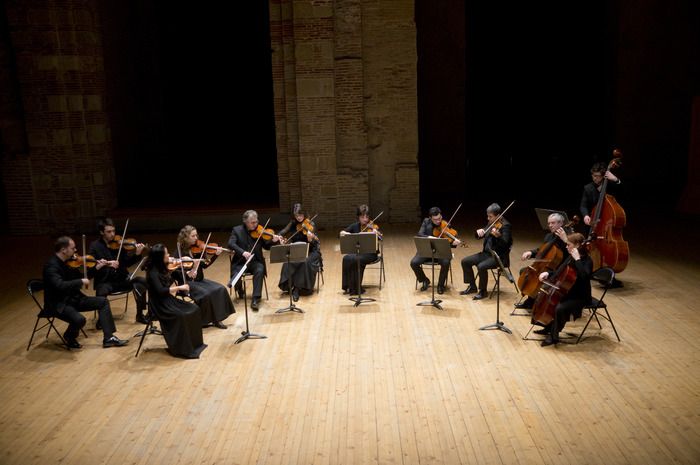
{"points": [[302, 274]]}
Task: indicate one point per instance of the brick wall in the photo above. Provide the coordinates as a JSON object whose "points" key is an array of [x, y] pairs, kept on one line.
{"points": [[65, 178]]}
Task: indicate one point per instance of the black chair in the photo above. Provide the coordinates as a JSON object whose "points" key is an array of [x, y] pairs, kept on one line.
{"points": [[429, 265], [380, 265], [150, 327], [34, 286], [247, 275], [606, 277], [117, 295]]}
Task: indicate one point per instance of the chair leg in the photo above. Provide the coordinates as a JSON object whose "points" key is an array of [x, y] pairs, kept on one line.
{"points": [[143, 336], [586, 327], [267, 297], [34, 332], [613, 325]]}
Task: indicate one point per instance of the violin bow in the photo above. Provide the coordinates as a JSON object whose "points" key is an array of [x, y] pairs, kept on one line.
{"points": [[84, 262], [121, 243], [204, 252], [451, 218], [182, 266], [286, 239], [131, 276], [256, 243], [487, 229], [372, 221]]}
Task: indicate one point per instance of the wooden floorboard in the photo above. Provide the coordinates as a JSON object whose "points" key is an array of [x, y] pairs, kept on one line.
{"points": [[387, 382]]}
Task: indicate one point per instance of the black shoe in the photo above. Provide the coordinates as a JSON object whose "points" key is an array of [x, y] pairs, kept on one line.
{"points": [[549, 341], [114, 341], [255, 304], [543, 331], [479, 295], [469, 290], [141, 318], [73, 344], [425, 285], [441, 289], [616, 284], [295, 294], [346, 291], [219, 325], [525, 304]]}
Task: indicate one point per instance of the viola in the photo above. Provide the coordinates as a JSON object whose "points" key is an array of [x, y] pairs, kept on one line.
{"points": [[444, 230], [608, 248], [266, 234], [212, 248], [76, 261]]}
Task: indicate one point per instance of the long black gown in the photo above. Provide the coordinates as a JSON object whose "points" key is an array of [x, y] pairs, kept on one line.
{"points": [[211, 297], [350, 278], [303, 273], [180, 320]]}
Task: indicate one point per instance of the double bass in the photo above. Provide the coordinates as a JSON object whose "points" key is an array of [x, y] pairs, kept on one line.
{"points": [[607, 247]]}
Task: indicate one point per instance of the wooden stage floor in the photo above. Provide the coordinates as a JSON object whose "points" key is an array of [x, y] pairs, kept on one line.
{"points": [[388, 382]]}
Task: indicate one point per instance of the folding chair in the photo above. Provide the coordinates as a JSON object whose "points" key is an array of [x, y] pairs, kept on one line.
{"points": [[34, 286], [427, 264], [150, 327], [605, 276], [380, 262], [247, 275]]}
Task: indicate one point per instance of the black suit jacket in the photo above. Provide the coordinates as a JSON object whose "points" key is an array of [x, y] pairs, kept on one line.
{"points": [[590, 197], [500, 245], [99, 250], [240, 241], [62, 285]]}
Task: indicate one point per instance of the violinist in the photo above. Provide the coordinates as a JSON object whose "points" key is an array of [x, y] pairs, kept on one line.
{"points": [[241, 242], [111, 275], [211, 297], [62, 297], [303, 274], [557, 237], [499, 239], [433, 221], [578, 296], [351, 281], [180, 320]]}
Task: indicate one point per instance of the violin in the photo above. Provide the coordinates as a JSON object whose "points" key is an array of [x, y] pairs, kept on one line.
{"points": [[129, 244], [373, 227], [76, 261], [186, 263], [444, 230], [212, 248], [306, 227], [266, 234]]}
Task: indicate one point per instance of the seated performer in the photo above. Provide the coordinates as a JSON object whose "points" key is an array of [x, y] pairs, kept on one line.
{"points": [[211, 297], [181, 321], [426, 230], [62, 297], [351, 282], [578, 296], [557, 236], [498, 239], [241, 242], [111, 275], [303, 274]]}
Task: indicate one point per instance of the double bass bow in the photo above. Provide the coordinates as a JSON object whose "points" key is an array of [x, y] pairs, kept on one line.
{"points": [[607, 247]]}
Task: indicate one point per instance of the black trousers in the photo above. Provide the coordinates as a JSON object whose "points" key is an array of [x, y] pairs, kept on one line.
{"points": [[137, 284], [417, 261], [71, 315], [562, 314], [350, 278], [255, 268], [483, 262]]}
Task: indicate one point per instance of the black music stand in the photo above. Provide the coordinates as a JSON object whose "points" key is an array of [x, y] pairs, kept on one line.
{"points": [[543, 216], [244, 334], [358, 244], [502, 270], [433, 248], [289, 253]]}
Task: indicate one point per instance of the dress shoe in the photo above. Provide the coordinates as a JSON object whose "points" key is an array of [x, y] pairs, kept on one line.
{"points": [[255, 304], [295, 294], [616, 284], [441, 289], [73, 344], [479, 295], [219, 325], [425, 285], [141, 318], [549, 341], [542, 332], [114, 341], [469, 290], [525, 304]]}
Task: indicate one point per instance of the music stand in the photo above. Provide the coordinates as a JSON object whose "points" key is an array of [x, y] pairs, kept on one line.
{"points": [[433, 248], [359, 243], [289, 253], [501, 271], [245, 334], [543, 215]]}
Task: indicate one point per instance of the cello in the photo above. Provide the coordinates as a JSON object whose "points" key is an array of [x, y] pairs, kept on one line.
{"points": [[551, 293], [607, 247]]}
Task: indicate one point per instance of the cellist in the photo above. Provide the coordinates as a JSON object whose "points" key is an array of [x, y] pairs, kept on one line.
{"points": [[578, 296], [556, 236]]}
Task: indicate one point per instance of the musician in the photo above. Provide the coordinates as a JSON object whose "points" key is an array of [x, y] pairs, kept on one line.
{"points": [[211, 297], [497, 239], [433, 221], [578, 296], [181, 321], [111, 275], [591, 195], [350, 281], [557, 235], [63, 298], [241, 242], [303, 274]]}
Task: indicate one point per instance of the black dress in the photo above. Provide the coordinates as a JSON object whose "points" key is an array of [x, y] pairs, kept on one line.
{"points": [[303, 273], [350, 278], [180, 320], [211, 297]]}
